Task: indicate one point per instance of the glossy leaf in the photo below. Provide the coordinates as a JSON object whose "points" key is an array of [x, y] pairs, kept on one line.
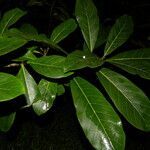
{"points": [[9, 18], [86, 15], [119, 34], [135, 62], [50, 66], [10, 87], [48, 92], [63, 30], [133, 104], [8, 45], [31, 89], [80, 59], [6, 122], [99, 121]]}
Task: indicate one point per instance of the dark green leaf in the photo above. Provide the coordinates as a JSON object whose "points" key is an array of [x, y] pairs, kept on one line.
{"points": [[6, 122], [101, 39], [9, 18], [31, 89], [128, 98], [14, 32], [119, 34], [10, 87], [99, 121], [80, 59], [29, 30], [28, 56], [8, 45], [63, 30], [48, 92], [135, 62], [102, 36], [60, 89], [32, 36], [50, 66], [86, 15]]}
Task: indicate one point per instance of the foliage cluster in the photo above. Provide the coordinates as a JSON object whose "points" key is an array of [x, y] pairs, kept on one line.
{"points": [[97, 117]]}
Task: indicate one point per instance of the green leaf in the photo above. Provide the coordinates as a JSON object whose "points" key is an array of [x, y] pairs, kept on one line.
{"points": [[28, 56], [86, 15], [7, 121], [80, 59], [48, 92], [99, 121], [32, 36], [132, 103], [29, 30], [134, 62], [101, 39], [50, 66], [10, 18], [63, 30], [119, 34], [8, 45], [102, 36], [31, 88], [14, 32], [10, 87], [60, 89]]}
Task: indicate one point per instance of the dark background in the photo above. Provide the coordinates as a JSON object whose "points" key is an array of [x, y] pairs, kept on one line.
{"points": [[59, 128]]}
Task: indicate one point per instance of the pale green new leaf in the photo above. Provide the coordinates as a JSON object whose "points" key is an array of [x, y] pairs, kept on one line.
{"points": [[81, 59], [86, 15], [63, 30], [10, 87], [119, 34], [31, 88], [48, 92], [50, 66], [10, 18], [100, 123], [132, 103], [8, 45], [135, 62], [6, 122]]}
